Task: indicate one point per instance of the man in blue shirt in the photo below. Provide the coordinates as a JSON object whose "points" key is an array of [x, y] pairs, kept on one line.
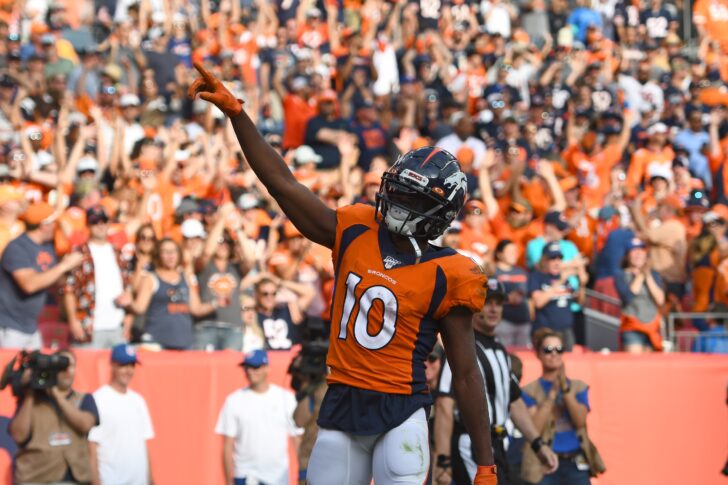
{"points": [[27, 269], [695, 140]]}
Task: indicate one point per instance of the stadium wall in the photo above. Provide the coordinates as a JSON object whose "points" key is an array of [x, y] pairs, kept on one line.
{"points": [[657, 419]]}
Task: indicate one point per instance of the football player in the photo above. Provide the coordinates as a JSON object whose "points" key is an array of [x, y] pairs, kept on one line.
{"points": [[394, 293]]}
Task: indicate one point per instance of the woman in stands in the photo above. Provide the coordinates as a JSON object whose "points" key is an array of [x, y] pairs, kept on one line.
{"points": [[642, 293], [169, 298]]}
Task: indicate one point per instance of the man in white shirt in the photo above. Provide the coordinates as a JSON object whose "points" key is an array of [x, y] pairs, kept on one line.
{"points": [[94, 294], [118, 446], [256, 422], [462, 135]]}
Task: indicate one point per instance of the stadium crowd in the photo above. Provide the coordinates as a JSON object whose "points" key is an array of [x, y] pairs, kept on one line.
{"points": [[594, 137]]}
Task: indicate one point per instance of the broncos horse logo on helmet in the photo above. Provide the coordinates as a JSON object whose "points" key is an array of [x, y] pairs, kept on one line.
{"points": [[422, 193]]}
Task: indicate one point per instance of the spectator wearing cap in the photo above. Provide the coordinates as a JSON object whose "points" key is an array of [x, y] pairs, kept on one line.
{"points": [[256, 423], [11, 207], [119, 446], [169, 298], [463, 130], [552, 295], [515, 328], [96, 292], [326, 130], [306, 160], [194, 236], [373, 140], [666, 237], [641, 292], [132, 129], [655, 153], [555, 227], [695, 208], [659, 187], [28, 267], [582, 17], [695, 139]]}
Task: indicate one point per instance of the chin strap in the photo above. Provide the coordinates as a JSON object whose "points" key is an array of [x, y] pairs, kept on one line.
{"points": [[418, 251]]}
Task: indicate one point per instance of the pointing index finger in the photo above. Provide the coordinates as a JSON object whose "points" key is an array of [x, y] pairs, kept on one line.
{"points": [[209, 78]]}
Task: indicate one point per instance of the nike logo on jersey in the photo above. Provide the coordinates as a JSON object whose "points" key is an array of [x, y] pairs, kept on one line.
{"points": [[390, 262]]}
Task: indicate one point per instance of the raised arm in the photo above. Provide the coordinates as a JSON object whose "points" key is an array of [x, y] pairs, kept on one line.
{"points": [[308, 213]]}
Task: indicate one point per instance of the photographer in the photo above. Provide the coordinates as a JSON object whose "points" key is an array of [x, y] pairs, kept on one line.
{"points": [[51, 425], [308, 378]]}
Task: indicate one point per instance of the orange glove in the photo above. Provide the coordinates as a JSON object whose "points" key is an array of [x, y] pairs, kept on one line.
{"points": [[486, 476], [212, 89]]}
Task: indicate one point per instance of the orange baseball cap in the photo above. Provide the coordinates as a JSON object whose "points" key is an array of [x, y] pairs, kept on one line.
{"points": [[38, 28], [721, 210], [39, 213], [8, 193], [672, 201]]}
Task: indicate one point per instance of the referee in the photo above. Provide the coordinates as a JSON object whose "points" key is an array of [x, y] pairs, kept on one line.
{"points": [[453, 450]]}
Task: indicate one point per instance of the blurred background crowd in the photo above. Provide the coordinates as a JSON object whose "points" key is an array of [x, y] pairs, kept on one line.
{"points": [[593, 134]]}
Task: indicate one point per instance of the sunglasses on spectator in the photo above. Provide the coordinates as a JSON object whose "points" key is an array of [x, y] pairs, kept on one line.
{"points": [[247, 308], [146, 237], [550, 349], [432, 358], [267, 293]]}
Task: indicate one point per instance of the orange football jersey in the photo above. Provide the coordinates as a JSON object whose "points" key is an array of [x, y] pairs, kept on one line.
{"points": [[385, 307]]}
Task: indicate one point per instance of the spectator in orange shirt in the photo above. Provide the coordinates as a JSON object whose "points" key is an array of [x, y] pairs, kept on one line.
{"points": [[656, 153], [297, 108]]}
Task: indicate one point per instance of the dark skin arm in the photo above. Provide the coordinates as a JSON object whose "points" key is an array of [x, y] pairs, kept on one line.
{"points": [[458, 337], [307, 212]]}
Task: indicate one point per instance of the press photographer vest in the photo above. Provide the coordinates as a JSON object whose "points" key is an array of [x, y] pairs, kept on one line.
{"points": [[531, 468], [54, 447]]}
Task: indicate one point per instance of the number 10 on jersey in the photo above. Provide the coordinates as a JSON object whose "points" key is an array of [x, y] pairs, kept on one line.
{"points": [[361, 322]]}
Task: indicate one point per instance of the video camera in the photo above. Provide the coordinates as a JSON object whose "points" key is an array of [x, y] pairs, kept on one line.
{"points": [[308, 367], [44, 369]]}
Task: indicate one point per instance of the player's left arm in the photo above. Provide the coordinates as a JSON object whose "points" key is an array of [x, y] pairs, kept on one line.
{"points": [[457, 335], [308, 213]]}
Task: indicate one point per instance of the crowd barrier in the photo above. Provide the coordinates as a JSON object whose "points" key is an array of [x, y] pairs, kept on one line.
{"points": [[657, 419]]}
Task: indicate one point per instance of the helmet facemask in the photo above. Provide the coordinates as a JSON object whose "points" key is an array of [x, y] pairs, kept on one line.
{"points": [[409, 211]]}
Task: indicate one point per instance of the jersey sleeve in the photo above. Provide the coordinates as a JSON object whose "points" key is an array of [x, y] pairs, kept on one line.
{"points": [[466, 284]]}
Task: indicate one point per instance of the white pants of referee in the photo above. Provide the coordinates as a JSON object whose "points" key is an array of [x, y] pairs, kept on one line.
{"points": [[400, 456]]}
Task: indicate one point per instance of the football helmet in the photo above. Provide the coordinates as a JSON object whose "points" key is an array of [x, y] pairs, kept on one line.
{"points": [[422, 193]]}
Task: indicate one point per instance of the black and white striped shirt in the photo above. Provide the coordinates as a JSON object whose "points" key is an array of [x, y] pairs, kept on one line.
{"points": [[501, 386]]}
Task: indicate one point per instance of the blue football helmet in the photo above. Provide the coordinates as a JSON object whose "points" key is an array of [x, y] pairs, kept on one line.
{"points": [[422, 193]]}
